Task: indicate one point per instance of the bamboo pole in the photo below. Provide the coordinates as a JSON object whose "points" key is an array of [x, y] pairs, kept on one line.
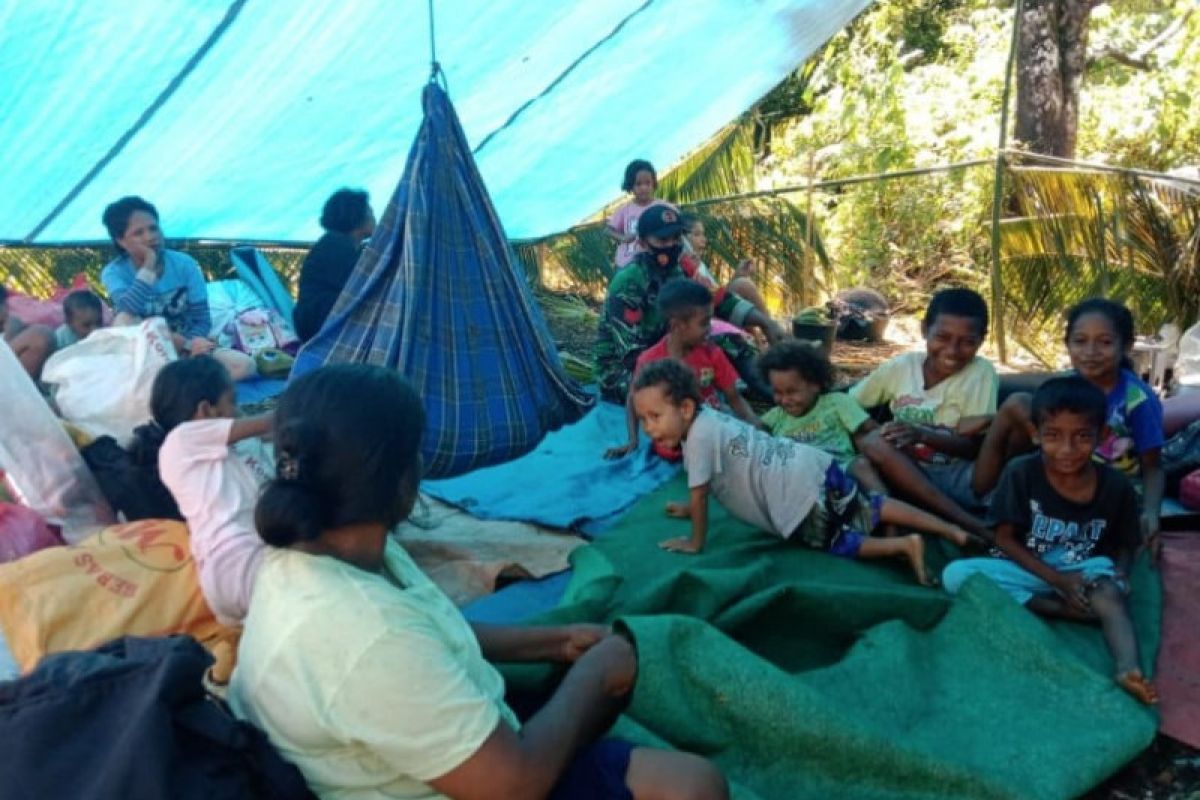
{"points": [[1076, 165], [810, 272], [998, 191]]}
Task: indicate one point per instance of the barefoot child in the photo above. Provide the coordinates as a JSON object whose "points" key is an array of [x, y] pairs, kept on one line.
{"points": [[1066, 527], [920, 453], [687, 307], [775, 484]]}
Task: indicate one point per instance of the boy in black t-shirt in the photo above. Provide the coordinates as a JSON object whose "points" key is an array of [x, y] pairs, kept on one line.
{"points": [[1066, 527]]}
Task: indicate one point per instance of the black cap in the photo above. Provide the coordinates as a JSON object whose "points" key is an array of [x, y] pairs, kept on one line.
{"points": [[659, 220]]}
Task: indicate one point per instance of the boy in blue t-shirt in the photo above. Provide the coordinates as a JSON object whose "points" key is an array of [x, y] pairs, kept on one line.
{"points": [[1066, 527]]}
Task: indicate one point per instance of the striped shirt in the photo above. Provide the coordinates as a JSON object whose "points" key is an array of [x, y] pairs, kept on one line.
{"points": [[180, 294]]}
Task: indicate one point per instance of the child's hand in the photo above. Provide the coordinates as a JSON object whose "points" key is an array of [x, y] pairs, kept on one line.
{"points": [[744, 269], [900, 435], [679, 510], [682, 544], [1072, 586], [620, 452]]}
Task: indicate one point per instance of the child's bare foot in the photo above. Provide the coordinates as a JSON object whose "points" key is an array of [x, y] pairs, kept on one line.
{"points": [[1137, 685], [914, 551]]}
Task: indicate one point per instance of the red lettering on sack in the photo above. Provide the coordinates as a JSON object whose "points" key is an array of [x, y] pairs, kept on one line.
{"points": [[146, 537], [85, 560]]}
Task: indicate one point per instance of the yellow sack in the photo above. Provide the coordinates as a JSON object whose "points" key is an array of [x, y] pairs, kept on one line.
{"points": [[127, 580]]}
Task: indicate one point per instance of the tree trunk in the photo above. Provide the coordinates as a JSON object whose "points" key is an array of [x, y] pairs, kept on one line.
{"points": [[1051, 57]]}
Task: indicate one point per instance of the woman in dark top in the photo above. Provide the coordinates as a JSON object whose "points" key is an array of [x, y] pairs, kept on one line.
{"points": [[348, 220]]}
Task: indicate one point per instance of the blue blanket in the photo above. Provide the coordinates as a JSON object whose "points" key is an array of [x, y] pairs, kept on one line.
{"points": [[565, 481], [255, 390]]}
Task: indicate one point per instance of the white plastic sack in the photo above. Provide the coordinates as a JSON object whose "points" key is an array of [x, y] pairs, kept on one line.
{"points": [[102, 384], [226, 300], [40, 461], [1187, 365]]}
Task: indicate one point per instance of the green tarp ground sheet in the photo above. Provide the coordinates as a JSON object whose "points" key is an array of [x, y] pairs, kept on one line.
{"points": [[805, 675]]}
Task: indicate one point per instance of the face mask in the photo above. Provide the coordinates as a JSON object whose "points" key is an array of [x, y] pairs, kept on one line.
{"points": [[666, 256]]}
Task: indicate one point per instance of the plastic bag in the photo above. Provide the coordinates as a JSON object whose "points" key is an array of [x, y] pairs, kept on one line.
{"points": [[103, 383], [42, 466], [23, 532], [227, 299], [33, 311]]}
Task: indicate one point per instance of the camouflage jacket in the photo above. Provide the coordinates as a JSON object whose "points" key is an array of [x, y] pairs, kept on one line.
{"points": [[631, 322]]}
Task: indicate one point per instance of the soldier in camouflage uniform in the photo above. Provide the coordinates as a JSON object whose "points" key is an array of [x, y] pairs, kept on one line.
{"points": [[630, 321]]}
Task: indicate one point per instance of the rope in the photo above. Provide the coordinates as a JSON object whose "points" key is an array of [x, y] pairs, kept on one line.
{"points": [[435, 69], [561, 76], [231, 14]]}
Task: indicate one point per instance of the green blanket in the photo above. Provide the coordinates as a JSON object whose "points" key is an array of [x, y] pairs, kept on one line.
{"points": [[806, 675]]}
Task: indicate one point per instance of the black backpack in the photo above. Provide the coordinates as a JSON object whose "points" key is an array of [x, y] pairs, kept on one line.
{"points": [[132, 721]]}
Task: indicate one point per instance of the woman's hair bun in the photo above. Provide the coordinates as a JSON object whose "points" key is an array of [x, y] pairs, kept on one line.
{"points": [[288, 512]]}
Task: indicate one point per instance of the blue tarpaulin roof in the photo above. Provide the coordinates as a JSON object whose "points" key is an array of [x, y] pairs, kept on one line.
{"points": [[237, 119]]}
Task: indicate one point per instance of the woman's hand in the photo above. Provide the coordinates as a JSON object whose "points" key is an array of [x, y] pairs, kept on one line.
{"points": [[617, 660], [579, 638], [144, 258]]}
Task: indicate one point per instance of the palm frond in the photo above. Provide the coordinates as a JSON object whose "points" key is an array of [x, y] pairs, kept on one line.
{"points": [[1078, 234], [724, 165]]}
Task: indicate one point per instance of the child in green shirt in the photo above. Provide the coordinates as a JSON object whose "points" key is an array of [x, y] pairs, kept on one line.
{"points": [[808, 412]]}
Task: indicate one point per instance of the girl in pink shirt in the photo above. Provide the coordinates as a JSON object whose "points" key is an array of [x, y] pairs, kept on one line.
{"points": [[641, 181], [214, 482]]}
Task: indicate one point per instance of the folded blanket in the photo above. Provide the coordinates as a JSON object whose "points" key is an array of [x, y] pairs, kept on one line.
{"points": [[565, 482], [465, 556]]}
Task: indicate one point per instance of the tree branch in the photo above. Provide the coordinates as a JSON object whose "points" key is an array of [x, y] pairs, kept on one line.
{"points": [[1142, 58]]}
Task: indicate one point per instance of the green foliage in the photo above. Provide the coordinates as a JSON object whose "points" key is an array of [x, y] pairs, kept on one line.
{"points": [[723, 166], [1144, 118], [908, 85], [1085, 234], [38, 271]]}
